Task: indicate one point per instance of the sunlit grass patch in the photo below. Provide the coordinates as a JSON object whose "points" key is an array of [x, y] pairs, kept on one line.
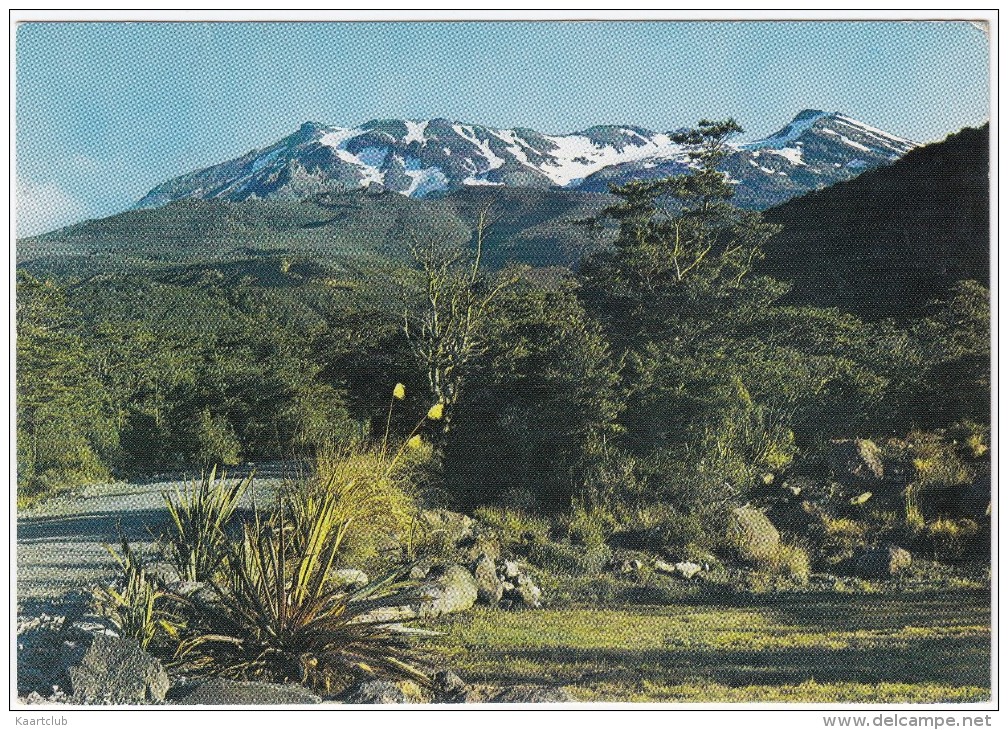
{"points": [[883, 648], [806, 692]]}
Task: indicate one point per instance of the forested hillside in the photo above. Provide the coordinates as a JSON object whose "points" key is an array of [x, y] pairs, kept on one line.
{"points": [[893, 239]]}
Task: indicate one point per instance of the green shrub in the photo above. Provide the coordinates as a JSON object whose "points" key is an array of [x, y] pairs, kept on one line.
{"points": [[567, 559], [515, 526], [216, 440], [590, 526], [54, 455], [936, 462], [841, 538], [791, 561], [974, 437], [950, 539]]}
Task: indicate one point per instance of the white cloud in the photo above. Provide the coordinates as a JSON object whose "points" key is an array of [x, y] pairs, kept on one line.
{"points": [[42, 207]]}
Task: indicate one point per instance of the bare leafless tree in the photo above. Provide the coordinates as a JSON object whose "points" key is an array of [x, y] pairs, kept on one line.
{"points": [[446, 327]]}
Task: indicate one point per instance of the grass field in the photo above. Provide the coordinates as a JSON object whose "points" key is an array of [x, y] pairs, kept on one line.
{"points": [[916, 648]]}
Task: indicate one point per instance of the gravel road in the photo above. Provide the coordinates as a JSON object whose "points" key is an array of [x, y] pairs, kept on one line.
{"points": [[60, 542]]}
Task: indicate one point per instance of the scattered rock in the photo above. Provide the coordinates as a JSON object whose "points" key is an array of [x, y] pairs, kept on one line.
{"points": [[530, 693], [447, 681], [350, 577], [489, 588], [219, 691], [662, 567], [856, 460], [687, 569], [447, 526], [523, 593], [480, 542], [450, 590], [510, 570], [89, 625], [628, 566], [163, 573], [454, 591], [752, 535], [451, 689], [58, 697], [116, 671], [41, 656], [377, 692], [883, 562]]}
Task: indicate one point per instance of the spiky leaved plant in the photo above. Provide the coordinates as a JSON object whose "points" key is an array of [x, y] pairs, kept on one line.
{"points": [[199, 515], [280, 617], [139, 608]]}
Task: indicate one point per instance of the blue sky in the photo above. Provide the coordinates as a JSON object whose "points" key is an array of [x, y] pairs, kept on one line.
{"points": [[106, 111]]}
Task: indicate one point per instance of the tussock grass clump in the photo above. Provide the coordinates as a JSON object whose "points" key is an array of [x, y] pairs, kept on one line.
{"points": [[913, 517], [378, 485], [790, 561], [377, 490], [841, 537]]}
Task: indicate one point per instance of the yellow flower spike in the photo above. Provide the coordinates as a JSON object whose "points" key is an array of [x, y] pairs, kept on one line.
{"points": [[415, 443], [436, 411], [399, 392]]}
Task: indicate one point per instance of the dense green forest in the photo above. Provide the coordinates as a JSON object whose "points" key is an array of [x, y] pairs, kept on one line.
{"points": [[663, 380]]}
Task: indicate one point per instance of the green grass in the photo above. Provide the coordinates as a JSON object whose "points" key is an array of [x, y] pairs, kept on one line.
{"points": [[920, 648]]}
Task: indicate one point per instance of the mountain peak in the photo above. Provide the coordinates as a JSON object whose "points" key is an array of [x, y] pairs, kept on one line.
{"points": [[834, 135], [805, 114]]}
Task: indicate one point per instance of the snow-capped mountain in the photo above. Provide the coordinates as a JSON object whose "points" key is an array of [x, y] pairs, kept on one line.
{"points": [[814, 150], [428, 157]]}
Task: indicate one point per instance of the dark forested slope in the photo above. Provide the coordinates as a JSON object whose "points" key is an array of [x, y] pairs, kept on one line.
{"points": [[893, 239]]}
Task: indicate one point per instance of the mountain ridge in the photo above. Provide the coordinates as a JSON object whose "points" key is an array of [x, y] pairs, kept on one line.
{"points": [[422, 158]]}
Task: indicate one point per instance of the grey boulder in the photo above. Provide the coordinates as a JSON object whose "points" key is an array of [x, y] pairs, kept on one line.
{"points": [[218, 691], [532, 693], [116, 671]]}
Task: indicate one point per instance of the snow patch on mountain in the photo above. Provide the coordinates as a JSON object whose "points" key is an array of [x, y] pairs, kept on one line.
{"points": [[337, 138], [493, 162], [791, 154], [577, 156], [875, 131], [415, 132]]}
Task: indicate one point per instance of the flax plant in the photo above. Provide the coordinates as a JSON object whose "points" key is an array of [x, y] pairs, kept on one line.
{"points": [[279, 617], [199, 515], [139, 609]]}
